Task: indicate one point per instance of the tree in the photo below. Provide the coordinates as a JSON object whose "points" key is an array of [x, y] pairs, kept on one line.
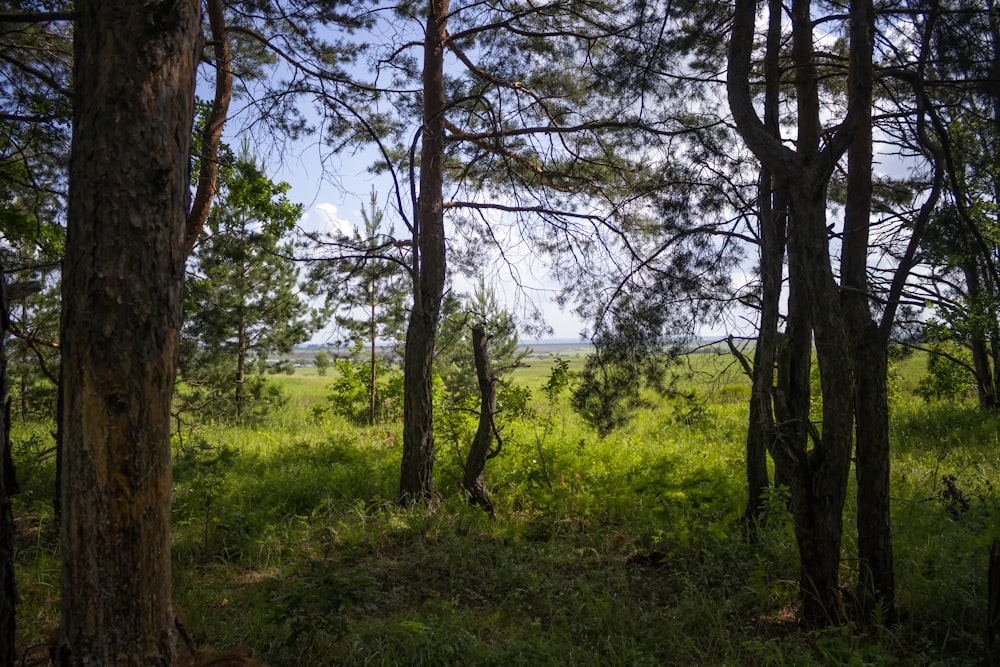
{"points": [[134, 77], [8, 591], [243, 293], [367, 279], [322, 362], [818, 475], [482, 449], [478, 348], [520, 144], [428, 269]]}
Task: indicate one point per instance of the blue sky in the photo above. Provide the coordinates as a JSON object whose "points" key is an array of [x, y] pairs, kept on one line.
{"points": [[334, 200]]}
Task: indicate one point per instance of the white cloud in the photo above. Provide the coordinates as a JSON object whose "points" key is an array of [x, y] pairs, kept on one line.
{"points": [[323, 217]]}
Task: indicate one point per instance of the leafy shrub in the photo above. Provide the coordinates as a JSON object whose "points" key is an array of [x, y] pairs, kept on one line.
{"points": [[948, 375], [350, 393]]}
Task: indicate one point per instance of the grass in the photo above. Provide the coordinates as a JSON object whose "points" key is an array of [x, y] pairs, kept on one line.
{"points": [[616, 551]]}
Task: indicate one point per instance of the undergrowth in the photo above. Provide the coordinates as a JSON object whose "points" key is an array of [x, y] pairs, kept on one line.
{"points": [[622, 550]]}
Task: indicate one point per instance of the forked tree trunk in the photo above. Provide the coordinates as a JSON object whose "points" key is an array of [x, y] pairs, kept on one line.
{"points": [[416, 471], [818, 476], [481, 451], [134, 76]]}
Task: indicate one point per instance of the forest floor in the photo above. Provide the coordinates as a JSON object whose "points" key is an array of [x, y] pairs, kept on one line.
{"points": [[621, 550]]}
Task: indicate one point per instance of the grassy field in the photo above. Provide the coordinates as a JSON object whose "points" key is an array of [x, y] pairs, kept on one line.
{"points": [[623, 550]]}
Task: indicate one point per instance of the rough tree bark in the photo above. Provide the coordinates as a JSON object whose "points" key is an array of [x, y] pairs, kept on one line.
{"points": [[875, 586], [818, 475], [8, 486], [772, 211], [416, 471], [481, 451], [212, 132], [134, 75]]}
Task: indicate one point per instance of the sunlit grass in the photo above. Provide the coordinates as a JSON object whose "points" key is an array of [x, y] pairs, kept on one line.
{"points": [[622, 550]]}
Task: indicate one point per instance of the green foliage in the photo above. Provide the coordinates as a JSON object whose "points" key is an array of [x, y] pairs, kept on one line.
{"points": [[454, 361], [628, 555], [322, 362], [948, 374], [630, 356], [33, 353], [365, 279], [210, 396], [243, 298], [310, 602], [351, 391], [560, 379], [202, 470], [458, 399]]}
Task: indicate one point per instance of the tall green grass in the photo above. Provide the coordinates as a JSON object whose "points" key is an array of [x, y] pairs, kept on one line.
{"points": [[623, 550]]}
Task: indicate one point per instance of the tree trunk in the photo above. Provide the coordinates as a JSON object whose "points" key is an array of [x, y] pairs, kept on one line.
{"points": [[372, 389], [819, 475], [123, 275], [241, 368], [772, 208], [977, 344], [474, 480], [823, 472], [8, 486], [875, 594], [24, 369], [761, 432], [416, 473]]}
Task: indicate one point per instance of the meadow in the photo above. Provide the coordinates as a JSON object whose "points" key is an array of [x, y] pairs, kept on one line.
{"points": [[621, 550]]}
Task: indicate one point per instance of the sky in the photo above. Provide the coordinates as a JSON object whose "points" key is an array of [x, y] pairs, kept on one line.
{"points": [[333, 201]]}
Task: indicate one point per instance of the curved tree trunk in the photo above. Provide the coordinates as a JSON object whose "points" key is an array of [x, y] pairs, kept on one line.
{"points": [[481, 451], [122, 300], [416, 473]]}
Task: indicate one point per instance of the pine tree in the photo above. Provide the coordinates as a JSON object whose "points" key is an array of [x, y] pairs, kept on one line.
{"points": [[243, 301], [368, 284]]}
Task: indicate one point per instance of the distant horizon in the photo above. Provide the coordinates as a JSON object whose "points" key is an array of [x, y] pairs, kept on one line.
{"points": [[527, 342]]}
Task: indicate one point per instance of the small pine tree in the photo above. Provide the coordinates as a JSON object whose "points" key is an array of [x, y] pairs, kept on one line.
{"points": [[367, 282], [243, 297]]}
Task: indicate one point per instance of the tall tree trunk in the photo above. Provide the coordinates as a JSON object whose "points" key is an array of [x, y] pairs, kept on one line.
{"points": [[819, 475], [8, 484], [481, 451], [416, 473], [761, 431], [875, 594], [134, 76], [820, 487], [372, 389]]}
